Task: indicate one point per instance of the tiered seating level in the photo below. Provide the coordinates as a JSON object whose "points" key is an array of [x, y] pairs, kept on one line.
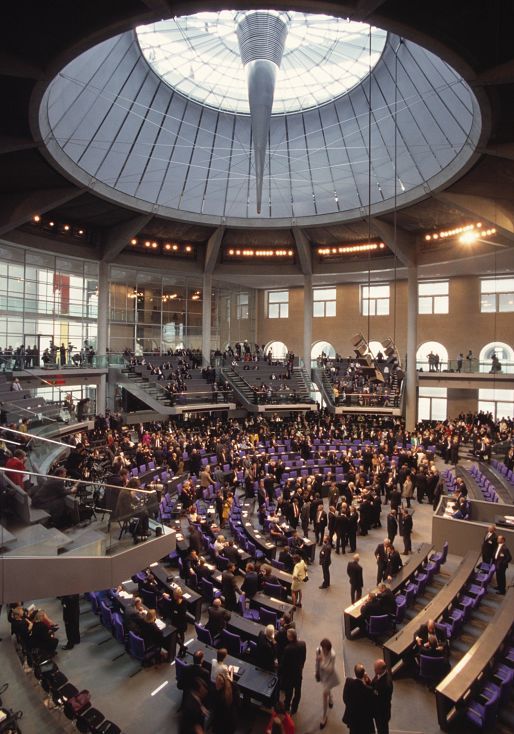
{"points": [[19, 404], [293, 390]]}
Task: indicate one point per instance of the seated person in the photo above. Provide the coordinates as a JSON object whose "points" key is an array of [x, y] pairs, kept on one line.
{"points": [[203, 571], [286, 558], [371, 607], [463, 509], [387, 601], [230, 552], [266, 576], [41, 635], [421, 638], [276, 532], [219, 545], [149, 631]]}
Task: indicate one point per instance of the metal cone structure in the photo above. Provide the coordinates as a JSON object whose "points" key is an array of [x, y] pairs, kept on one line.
{"points": [[262, 36]]}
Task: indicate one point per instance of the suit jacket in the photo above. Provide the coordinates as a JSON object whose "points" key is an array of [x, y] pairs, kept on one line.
{"points": [[503, 558], [394, 563], [250, 585], [293, 660], [381, 554], [383, 687], [407, 525], [218, 618], [320, 520], [489, 546], [229, 588], [359, 700], [325, 555], [392, 525], [354, 571]]}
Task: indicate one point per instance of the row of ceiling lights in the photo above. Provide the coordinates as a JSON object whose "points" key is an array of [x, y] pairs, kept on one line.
{"points": [[349, 249], [61, 228], [260, 253], [467, 234], [167, 246]]}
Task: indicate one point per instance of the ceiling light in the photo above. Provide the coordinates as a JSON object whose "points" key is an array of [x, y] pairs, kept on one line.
{"points": [[133, 242], [37, 218], [467, 238]]}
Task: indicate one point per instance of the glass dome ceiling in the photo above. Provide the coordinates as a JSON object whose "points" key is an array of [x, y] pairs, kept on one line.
{"points": [[198, 55]]}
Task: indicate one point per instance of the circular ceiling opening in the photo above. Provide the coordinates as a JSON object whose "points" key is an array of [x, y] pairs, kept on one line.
{"points": [[198, 55]]}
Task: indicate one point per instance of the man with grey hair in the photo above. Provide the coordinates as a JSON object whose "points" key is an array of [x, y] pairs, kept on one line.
{"points": [[354, 571]]}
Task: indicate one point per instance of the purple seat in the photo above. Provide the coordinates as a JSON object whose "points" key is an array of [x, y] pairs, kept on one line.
{"points": [[433, 669], [139, 651], [232, 643], [247, 613], [484, 715], [442, 556], [379, 626], [203, 634]]}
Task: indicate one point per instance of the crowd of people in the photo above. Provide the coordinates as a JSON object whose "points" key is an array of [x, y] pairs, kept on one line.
{"points": [[26, 356]]}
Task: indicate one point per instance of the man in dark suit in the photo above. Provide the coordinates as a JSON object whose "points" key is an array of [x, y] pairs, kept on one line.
{"points": [[382, 684], [394, 562], [354, 571], [353, 522], [406, 531], [250, 585], [230, 552], [229, 587], [489, 545], [341, 529], [218, 618], [359, 698], [191, 672], [320, 523], [392, 525], [387, 601], [325, 560], [502, 558], [291, 670], [381, 555]]}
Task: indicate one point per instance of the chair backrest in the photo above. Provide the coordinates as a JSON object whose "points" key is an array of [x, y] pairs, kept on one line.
{"points": [[94, 601], [277, 564], [136, 646], [180, 670], [106, 616], [276, 590], [203, 634], [207, 590], [222, 563], [379, 624], [118, 628], [232, 642], [267, 616], [432, 668], [445, 552], [149, 598]]}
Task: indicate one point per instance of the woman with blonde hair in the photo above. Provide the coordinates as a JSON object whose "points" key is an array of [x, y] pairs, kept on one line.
{"points": [[326, 675], [300, 576]]}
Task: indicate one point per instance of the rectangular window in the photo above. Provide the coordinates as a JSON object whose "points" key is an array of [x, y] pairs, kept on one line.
{"points": [[375, 300], [242, 306], [324, 302], [432, 404], [497, 295], [498, 402], [433, 297], [278, 304]]}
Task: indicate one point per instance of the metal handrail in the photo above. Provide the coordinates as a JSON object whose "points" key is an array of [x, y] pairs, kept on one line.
{"points": [[26, 472]]}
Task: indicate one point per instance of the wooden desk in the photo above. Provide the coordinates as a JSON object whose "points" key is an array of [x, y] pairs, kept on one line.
{"points": [[275, 605], [352, 615], [453, 691], [398, 646], [253, 682]]}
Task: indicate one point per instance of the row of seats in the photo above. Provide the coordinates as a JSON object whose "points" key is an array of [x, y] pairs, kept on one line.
{"points": [[487, 488], [483, 709], [500, 467]]}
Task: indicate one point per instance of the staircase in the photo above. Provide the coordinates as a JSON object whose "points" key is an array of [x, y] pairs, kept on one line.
{"points": [[326, 389]]}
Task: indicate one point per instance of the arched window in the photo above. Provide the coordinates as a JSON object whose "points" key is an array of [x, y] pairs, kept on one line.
{"points": [[503, 353], [325, 348], [278, 350], [426, 357]]}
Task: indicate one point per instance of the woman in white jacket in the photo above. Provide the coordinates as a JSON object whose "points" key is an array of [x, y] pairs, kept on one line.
{"points": [[300, 575], [326, 674]]}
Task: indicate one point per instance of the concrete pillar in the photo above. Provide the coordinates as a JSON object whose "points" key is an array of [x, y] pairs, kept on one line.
{"points": [[307, 321], [412, 341], [102, 331], [206, 318]]}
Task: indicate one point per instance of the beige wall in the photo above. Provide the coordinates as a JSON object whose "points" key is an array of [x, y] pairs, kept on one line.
{"points": [[462, 401], [462, 329]]}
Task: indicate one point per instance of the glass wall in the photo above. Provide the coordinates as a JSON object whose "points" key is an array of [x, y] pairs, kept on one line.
{"points": [[46, 298], [154, 313]]}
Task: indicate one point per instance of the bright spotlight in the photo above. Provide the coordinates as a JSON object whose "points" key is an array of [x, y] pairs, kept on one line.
{"points": [[468, 238]]}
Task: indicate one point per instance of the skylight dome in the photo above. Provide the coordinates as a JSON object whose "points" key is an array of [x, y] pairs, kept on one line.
{"points": [[198, 55]]}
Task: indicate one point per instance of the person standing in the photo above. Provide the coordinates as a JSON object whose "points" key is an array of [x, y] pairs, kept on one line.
{"points": [[229, 587], [406, 531], [359, 699], [382, 684], [325, 559], [354, 571], [193, 711], [291, 670], [381, 555], [320, 524], [392, 525], [300, 576], [502, 558], [71, 617], [326, 675], [489, 545]]}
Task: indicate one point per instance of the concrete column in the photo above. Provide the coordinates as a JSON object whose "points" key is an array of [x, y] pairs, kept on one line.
{"points": [[206, 318], [102, 331], [307, 321], [412, 341]]}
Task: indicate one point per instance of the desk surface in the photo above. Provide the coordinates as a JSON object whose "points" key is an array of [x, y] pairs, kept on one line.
{"points": [[469, 667], [276, 605], [414, 562], [247, 628], [167, 580], [402, 641], [249, 678]]}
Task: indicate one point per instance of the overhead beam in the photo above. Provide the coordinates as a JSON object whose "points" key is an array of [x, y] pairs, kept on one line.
{"points": [[303, 248], [12, 143], [19, 207], [12, 65], [400, 242], [500, 150], [212, 250], [501, 74], [497, 214], [118, 237]]}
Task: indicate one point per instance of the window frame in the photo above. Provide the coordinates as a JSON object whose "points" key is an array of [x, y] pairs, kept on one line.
{"points": [[277, 309], [367, 300], [432, 299], [494, 295], [326, 304]]}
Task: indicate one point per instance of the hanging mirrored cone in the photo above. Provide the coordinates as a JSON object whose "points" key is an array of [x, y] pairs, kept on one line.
{"points": [[262, 36]]}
